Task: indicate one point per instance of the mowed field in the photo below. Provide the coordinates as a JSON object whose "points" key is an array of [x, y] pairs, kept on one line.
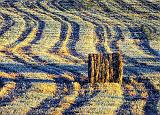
{"points": [[44, 47]]}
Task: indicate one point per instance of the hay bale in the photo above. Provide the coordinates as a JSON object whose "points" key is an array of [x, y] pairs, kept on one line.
{"points": [[107, 68], [117, 67]]}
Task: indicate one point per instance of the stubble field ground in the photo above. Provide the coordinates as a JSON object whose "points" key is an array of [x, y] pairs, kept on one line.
{"points": [[44, 47]]}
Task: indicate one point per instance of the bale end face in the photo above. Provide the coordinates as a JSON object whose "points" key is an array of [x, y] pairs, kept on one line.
{"points": [[108, 68]]}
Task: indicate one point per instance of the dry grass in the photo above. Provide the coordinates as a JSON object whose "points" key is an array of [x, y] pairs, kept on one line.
{"points": [[110, 96], [105, 102], [6, 89]]}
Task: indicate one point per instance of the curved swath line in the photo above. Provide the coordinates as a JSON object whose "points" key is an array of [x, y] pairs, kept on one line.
{"points": [[64, 28], [29, 29], [57, 45], [144, 41], [101, 49], [19, 30], [103, 22], [20, 88], [144, 45], [63, 31], [28, 26], [105, 27], [123, 18], [73, 52], [74, 40], [75, 36], [118, 36], [5, 88], [99, 32], [49, 68], [63, 34], [84, 100], [24, 34], [49, 3], [17, 58], [52, 102], [111, 14], [41, 24], [58, 80], [150, 5], [152, 92], [56, 3], [8, 23], [127, 7]]}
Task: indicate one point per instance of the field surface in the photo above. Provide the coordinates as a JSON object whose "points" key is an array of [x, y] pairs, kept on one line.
{"points": [[44, 47]]}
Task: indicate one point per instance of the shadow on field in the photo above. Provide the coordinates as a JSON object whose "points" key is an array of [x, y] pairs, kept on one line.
{"points": [[63, 35], [74, 37], [53, 102], [150, 5], [22, 86], [41, 24], [139, 68], [1, 83], [138, 33], [153, 94], [8, 23], [80, 101]]}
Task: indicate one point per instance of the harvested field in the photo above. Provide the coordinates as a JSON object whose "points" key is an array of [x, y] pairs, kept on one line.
{"points": [[44, 48]]}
